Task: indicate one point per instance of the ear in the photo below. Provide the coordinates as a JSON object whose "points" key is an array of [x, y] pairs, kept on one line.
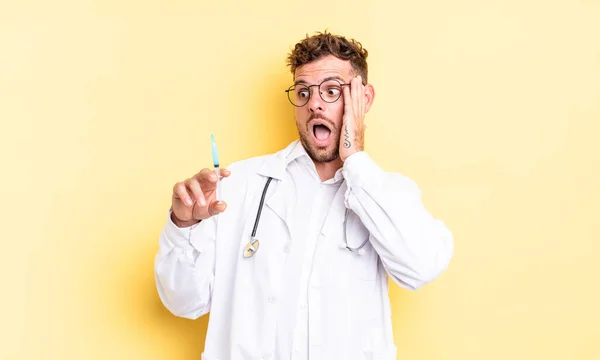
{"points": [[369, 96]]}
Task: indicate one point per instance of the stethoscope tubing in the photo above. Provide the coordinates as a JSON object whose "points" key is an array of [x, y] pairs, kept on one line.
{"points": [[260, 206], [253, 238]]}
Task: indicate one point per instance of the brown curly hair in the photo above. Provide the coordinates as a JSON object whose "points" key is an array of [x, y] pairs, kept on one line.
{"points": [[322, 44]]}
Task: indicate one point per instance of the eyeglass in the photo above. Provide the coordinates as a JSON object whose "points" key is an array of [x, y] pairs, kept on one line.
{"points": [[329, 90]]}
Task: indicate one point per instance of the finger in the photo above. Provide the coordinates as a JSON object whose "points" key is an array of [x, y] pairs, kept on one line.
{"points": [[199, 212], [217, 207], [194, 187], [180, 192], [207, 179], [225, 173], [361, 100], [355, 95], [207, 175], [347, 99]]}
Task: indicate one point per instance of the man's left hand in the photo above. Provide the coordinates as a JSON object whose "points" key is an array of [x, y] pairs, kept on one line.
{"points": [[353, 127]]}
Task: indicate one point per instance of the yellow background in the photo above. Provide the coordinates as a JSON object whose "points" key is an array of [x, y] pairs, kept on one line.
{"points": [[492, 107]]}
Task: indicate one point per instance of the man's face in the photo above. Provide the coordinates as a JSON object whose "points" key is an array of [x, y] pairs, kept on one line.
{"points": [[319, 122]]}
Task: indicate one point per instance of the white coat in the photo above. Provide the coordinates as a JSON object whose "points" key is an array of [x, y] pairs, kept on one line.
{"points": [[201, 268]]}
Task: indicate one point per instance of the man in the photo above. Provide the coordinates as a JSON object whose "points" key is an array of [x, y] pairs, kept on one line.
{"points": [[332, 226]]}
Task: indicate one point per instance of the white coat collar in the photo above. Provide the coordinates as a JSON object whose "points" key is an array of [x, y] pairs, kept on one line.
{"points": [[276, 164]]}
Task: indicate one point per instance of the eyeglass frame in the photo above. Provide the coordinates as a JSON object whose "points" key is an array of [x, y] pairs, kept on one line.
{"points": [[310, 92]]}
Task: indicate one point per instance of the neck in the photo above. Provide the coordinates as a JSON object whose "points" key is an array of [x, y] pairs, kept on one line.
{"points": [[326, 170]]}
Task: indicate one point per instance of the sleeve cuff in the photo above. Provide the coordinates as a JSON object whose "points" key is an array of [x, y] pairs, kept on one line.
{"points": [[359, 168], [180, 237]]}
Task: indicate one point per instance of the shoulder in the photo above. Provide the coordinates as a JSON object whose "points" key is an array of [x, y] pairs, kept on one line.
{"points": [[270, 164], [242, 169], [246, 175]]}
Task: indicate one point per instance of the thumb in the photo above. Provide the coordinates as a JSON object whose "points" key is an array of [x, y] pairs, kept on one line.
{"points": [[217, 207]]}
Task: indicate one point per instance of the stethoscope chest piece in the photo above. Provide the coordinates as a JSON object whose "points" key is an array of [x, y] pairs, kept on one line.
{"points": [[251, 248]]}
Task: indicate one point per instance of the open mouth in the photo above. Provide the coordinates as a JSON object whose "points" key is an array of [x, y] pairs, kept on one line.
{"points": [[321, 131]]}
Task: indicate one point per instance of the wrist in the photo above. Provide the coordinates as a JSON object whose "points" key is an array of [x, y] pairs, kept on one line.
{"points": [[346, 154], [360, 168], [181, 223]]}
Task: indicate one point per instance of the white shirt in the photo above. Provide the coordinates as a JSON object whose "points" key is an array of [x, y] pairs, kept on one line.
{"points": [[313, 198], [303, 295]]}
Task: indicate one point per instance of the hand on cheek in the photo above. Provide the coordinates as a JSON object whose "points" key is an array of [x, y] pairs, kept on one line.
{"points": [[353, 127]]}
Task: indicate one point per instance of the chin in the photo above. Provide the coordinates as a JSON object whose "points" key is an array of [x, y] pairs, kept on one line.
{"points": [[323, 154]]}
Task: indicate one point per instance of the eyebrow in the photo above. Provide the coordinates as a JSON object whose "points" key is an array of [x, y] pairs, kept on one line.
{"points": [[336, 77]]}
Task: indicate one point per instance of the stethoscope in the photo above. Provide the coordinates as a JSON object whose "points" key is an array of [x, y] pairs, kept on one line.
{"points": [[252, 247]]}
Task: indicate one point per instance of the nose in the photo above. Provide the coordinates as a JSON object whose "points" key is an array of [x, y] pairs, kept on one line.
{"points": [[315, 102]]}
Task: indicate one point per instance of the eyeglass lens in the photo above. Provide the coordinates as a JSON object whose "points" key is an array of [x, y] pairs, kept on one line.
{"points": [[330, 92]]}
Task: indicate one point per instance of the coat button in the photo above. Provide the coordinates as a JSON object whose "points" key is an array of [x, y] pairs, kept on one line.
{"points": [[272, 299]]}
